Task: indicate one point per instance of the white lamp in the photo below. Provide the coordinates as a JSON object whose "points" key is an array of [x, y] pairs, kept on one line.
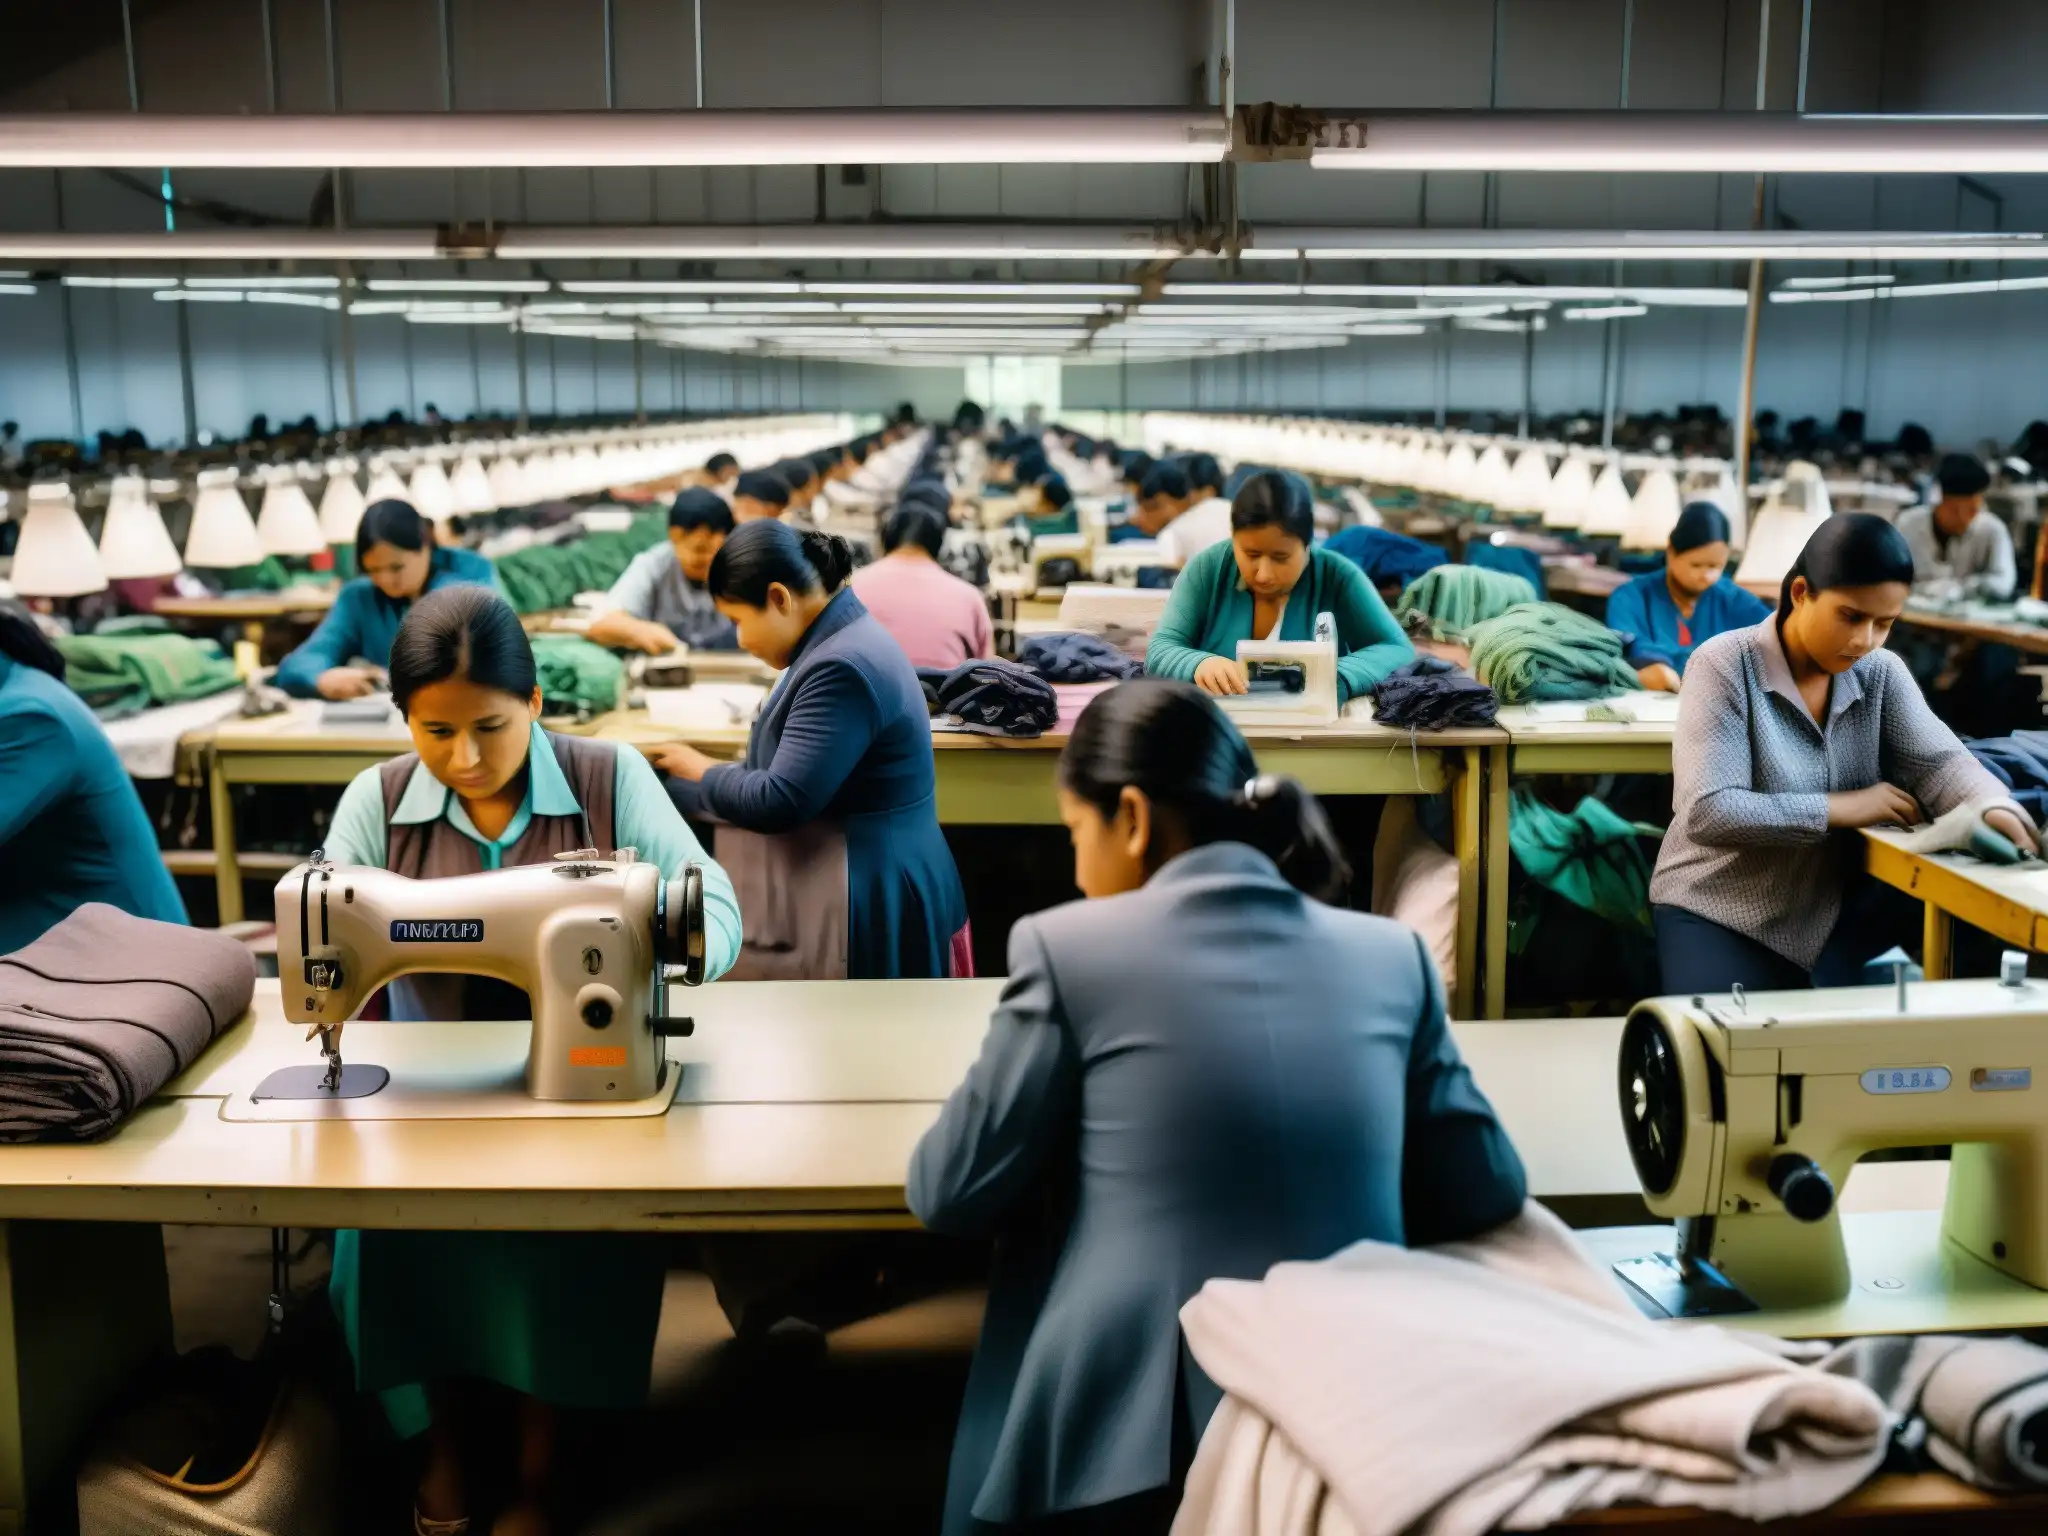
{"points": [[287, 523], [510, 484], [1715, 483], [341, 504], [1460, 464], [385, 484], [1607, 508], [1571, 492], [134, 543], [223, 534], [1492, 481], [1793, 515], [470, 486], [1653, 513], [430, 493], [1529, 482], [55, 556]]}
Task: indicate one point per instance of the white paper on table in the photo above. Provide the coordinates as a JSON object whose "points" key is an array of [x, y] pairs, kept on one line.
{"points": [[717, 706]]}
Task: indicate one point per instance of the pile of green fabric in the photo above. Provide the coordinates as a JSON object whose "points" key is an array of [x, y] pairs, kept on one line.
{"points": [[576, 676], [1448, 602], [1544, 651], [1589, 856], [1579, 926], [546, 576], [124, 674]]}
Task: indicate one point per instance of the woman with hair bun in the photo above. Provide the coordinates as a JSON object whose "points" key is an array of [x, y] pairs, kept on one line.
{"points": [[1196, 1073], [830, 826]]}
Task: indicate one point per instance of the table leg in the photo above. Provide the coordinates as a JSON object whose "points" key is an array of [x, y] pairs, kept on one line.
{"points": [[227, 868], [1937, 953], [1494, 995], [83, 1306], [1468, 807]]}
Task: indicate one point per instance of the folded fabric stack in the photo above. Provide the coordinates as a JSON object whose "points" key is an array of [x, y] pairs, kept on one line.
{"points": [[1388, 559], [124, 674], [1450, 601], [102, 1011], [1544, 651], [998, 698], [545, 576], [1975, 1408], [1077, 658], [577, 676], [1429, 694]]}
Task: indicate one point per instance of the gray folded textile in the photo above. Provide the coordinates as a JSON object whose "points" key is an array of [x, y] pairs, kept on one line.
{"points": [[102, 1011], [1975, 1407]]}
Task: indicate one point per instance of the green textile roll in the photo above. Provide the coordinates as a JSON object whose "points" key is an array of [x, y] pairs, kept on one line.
{"points": [[1544, 651], [576, 675], [1450, 600], [1588, 856], [545, 576], [122, 675]]}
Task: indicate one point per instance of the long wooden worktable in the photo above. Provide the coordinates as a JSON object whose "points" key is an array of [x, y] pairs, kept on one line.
{"points": [[2009, 902]]}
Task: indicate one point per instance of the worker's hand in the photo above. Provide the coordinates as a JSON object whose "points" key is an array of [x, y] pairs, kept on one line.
{"points": [[1881, 805], [2003, 821], [1221, 675], [678, 759], [345, 683], [1658, 678], [656, 639]]}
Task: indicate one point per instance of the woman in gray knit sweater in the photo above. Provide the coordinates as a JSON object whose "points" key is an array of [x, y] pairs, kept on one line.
{"points": [[1792, 736]]}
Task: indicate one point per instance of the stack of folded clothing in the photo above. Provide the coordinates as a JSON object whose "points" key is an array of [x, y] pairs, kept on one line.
{"points": [[545, 576], [1429, 694], [1450, 601], [577, 676], [1077, 658], [998, 698], [124, 674], [103, 1010], [1544, 651]]}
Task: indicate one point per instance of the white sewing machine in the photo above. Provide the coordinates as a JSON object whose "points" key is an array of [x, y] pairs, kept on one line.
{"points": [[590, 940]]}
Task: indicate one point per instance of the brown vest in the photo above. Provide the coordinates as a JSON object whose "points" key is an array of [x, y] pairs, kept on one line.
{"points": [[435, 851]]}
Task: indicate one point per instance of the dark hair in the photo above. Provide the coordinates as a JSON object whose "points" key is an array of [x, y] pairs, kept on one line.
{"points": [[761, 553], [1275, 499], [915, 522], [699, 508], [1850, 549], [1170, 740], [1700, 523], [1032, 466], [719, 463], [468, 632], [932, 493], [394, 522], [1138, 466], [1164, 480], [1203, 470], [825, 459], [798, 472], [22, 641], [1057, 493], [763, 485], [1962, 474], [859, 449]]}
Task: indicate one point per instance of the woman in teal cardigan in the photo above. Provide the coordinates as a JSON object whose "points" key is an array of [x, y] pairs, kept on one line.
{"points": [[1268, 583]]}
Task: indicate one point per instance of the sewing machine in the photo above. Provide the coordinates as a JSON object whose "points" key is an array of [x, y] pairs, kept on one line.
{"points": [[590, 940], [1745, 1114]]}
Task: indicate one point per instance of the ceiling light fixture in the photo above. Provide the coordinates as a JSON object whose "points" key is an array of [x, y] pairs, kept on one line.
{"points": [[1876, 280], [1606, 312], [457, 285], [1911, 291]]}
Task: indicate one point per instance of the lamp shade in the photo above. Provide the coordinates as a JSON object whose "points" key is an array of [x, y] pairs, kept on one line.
{"points": [[1460, 467], [470, 488], [341, 504], [223, 534], [1492, 481], [134, 543], [1607, 508], [1529, 483], [430, 493], [1571, 492], [287, 523], [1653, 513], [1793, 515], [1716, 484], [385, 485], [510, 483], [55, 556]]}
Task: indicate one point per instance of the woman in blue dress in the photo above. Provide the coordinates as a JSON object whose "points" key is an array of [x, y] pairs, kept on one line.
{"points": [[1672, 611], [400, 563], [830, 826], [562, 1319]]}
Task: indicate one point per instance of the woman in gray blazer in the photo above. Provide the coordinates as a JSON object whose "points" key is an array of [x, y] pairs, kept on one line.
{"points": [[1198, 1072]]}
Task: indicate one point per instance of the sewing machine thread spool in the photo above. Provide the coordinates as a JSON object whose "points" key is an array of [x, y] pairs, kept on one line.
{"points": [[2012, 969]]}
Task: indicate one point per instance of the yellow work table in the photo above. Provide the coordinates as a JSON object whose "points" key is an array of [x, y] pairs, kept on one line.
{"points": [[2010, 902]]}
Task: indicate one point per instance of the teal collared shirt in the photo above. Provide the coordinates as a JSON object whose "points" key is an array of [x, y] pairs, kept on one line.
{"points": [[643, 818]]}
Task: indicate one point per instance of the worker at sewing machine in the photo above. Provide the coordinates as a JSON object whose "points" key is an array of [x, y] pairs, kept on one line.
{"points": [[661, 600], [758, 494], [564, 1320], [1959, 548], [1269, 582], [938, 619], [1672, 612], [1238, 1102], [717, 475], [1206, 519], [400, 562], [830, 827], [1792, 735]]}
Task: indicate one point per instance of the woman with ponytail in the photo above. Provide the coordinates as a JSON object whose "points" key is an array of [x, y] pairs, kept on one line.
{"points": [[830, 827], [1198, 1072]]}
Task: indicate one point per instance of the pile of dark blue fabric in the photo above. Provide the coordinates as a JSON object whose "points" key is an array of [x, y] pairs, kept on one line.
{"points": [[1429, 694], [2020, 762], [997, 698], [1388, 559], [1513, 559], [1077, 658]]}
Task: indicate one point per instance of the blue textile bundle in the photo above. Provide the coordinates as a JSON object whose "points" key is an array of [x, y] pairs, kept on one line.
{"points": [[1429, 694], [999, 698], [1077, 658], [2020, 762], [1388, 559]]}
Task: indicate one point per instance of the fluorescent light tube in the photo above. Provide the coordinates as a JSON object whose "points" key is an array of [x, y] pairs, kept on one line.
{"points": [[1875, 281], [457, 285], [1607, 312], [22, 290], [198, 295], [263, 282]]}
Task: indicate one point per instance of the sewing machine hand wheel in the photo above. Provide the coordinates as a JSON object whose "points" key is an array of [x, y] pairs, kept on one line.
{"points": [[679, 928]]}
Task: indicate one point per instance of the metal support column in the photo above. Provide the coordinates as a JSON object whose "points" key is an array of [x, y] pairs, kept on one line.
{"points": [[1754, 315]]}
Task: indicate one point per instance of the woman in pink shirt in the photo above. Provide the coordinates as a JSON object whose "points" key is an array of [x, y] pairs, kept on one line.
{"points": [[938, 619]]}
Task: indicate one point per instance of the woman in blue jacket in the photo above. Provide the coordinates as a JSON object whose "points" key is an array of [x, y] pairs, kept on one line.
{"points": [[1134, 1130], [830, 828], [1670, 612], [400, 563]]}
